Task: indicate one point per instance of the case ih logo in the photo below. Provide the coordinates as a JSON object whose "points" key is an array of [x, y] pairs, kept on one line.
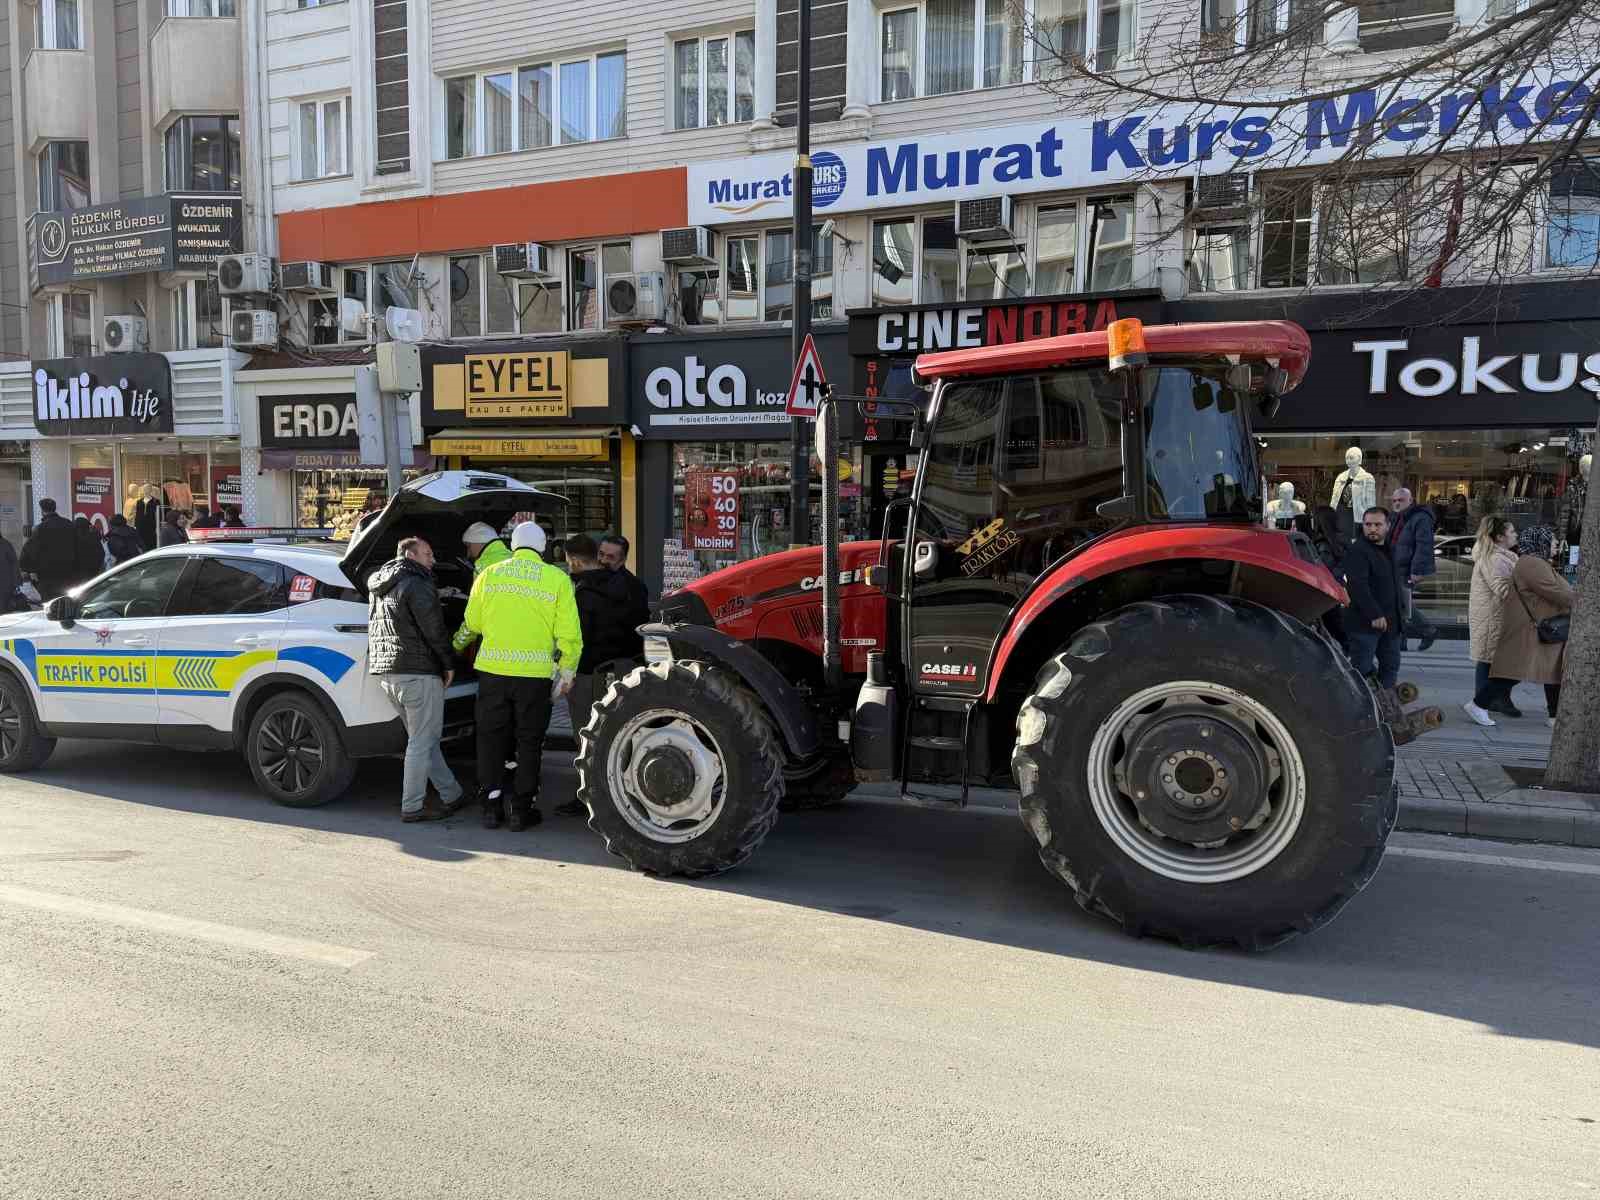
{"points": [[953, 672]]}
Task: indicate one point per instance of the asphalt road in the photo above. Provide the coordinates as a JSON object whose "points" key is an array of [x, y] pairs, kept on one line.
{"points": [[204, 995]]}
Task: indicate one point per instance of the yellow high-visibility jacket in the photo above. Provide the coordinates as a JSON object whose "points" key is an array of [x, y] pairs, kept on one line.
{"points": [[526, 614]]}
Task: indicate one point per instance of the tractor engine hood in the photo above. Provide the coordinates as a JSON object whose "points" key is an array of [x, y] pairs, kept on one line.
{"points": [[438, 508], [749, 588]]}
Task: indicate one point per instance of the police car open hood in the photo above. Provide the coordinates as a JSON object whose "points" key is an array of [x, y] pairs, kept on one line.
{"points": [[439, 507]]}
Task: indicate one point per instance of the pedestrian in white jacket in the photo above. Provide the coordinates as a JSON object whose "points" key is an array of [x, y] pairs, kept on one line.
{"points": [[1493, 560]]}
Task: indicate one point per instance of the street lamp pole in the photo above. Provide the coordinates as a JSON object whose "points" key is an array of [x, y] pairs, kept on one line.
{"points": [[800, 446]]}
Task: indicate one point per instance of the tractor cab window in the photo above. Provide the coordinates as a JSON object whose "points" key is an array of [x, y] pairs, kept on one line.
{"points": [[1199, 456]]}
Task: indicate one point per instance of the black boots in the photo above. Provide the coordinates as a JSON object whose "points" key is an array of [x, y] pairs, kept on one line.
{"points": [[522, 812], [490, 803]]}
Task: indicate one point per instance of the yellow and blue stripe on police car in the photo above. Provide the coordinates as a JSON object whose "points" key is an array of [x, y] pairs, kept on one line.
{"points": [[164, 672]]}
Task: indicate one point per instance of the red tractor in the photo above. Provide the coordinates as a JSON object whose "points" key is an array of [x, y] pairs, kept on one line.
{"points": [[1082, 603]]}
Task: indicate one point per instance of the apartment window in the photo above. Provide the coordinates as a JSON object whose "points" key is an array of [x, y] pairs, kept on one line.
{"points": [[316, 3], [524, 108], [69, 325], [1056, 248], [1398, 24], [324, 138], [589, 269], [714, 80], [1219, 258], [481, 301], [203, 154], [755, 280], [197, 315], [1362, 236], [1234, 250], [63, 176], [942, 46], [1572, 230], [376, 287], [1257, 22], [202, 8], [538, 306], [1285, 234], [1099, 33], [58, 25]]}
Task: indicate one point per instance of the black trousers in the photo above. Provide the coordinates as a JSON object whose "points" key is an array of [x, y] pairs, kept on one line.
{"points": [[511, 711]]}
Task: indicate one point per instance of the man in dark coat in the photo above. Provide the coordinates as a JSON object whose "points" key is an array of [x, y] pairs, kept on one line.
{"points": [[608, 614], [51, 554], [205, 518], [1373, 621], [10, 575], [409, 652], [91, 550], [1411, 542], [123, 540], [614, 557]]}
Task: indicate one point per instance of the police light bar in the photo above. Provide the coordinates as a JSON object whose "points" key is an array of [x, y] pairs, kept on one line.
{"points": [[259, 533], [1125, 342]]}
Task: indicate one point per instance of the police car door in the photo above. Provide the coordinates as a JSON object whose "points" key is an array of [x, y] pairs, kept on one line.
{"points": [[102, 671], [227, 620]]}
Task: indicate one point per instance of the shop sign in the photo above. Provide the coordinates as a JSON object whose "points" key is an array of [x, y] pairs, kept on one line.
{"points": [[227, 487], [107, 395], [134, 237], [319, 421], [1138, 143], [325, 460], [910, 331], [511, 387], [721, 386], [92, 495], [711, 508], [569, 449]]}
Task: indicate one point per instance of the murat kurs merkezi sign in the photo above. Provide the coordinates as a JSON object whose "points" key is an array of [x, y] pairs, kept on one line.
{"points": [[180, 232], [1141, 144]]}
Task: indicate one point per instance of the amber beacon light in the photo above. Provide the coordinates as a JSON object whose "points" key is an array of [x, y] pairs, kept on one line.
{"points": [[1125, 341]]}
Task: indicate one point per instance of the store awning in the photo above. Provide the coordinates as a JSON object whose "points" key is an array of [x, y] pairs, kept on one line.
{"points": [[327, 460], [580, 444]]}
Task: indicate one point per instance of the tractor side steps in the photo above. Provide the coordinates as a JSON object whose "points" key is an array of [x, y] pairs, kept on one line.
{"points": [[938, 795]]}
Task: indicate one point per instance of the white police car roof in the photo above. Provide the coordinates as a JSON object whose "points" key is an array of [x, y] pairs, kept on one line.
{"points": [[320, 560]]}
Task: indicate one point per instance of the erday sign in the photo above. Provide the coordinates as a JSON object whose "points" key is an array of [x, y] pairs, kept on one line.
{"points": [[109, 394], [1051, 156], [303, 422]]}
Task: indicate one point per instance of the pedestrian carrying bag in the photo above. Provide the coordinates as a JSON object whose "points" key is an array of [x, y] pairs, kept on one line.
{"points": [[1552, 630]]}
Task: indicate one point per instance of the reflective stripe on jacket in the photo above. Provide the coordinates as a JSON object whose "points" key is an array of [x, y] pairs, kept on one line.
{"points": [[524, 611]]}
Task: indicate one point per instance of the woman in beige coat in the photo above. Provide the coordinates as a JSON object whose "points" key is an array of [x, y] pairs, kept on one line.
{"points": [[1492, 564], [1537, 593]]}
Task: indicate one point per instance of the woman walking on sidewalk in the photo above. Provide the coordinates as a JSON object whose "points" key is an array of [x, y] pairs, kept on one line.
{"points": [[1537, 594], [1492, 564]]}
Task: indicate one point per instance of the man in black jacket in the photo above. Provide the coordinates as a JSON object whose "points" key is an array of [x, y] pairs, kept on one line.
{"points": [[409, 650], [122, 539], [614, 557], [608, 614], [1373, 622], [51, 554], [1411, 541]]}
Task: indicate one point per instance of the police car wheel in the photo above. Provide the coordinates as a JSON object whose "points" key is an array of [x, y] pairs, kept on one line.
{"points": [[22, 746], [680, 770], [295, 752]]}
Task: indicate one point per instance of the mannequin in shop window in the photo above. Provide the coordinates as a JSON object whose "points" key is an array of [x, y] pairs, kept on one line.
{"points": [[1354, 491], [146, 515], [1282, 511]]}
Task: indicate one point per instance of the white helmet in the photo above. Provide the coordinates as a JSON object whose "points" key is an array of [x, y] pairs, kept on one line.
{"points": [[528, 536], [479, 534]]}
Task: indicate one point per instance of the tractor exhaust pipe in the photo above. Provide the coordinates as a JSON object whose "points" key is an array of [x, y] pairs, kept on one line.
{"points": [[828, 452]]}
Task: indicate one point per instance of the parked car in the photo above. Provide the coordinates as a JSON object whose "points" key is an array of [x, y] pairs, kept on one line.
{"points": [[258, 647]]}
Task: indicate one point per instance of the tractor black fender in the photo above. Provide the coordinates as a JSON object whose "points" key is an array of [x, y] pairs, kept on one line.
{"points": [[785, 703]]}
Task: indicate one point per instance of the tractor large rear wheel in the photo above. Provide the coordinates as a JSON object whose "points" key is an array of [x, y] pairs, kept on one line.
{"points": [[1206, 770], [680, 770]]}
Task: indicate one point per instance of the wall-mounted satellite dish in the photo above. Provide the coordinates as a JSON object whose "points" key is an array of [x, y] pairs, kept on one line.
{"points": [[353, 316], [403, 324]]}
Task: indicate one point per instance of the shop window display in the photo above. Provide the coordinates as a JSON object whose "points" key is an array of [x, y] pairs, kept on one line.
{"points": [[337, 500]]}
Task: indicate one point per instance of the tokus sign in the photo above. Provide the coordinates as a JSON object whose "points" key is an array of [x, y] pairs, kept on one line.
{"points": [[1019, 159]]}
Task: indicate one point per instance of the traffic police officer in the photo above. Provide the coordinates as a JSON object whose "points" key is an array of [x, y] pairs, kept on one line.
{"points": [[484, 546], [525, 612]]}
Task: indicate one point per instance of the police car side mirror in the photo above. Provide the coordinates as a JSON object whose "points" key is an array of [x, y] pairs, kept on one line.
{"points": [[64, 609]]}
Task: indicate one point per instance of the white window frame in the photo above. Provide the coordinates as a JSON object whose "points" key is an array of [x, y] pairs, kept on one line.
{"points": [[731, 36], [339, 291], [55, 319], [1548, 223], [316, 3], [44, 28], [485, 270], [341, 101], [553, 63], [186, 8], [761, 232], [567, 294], [185, 308], [1032, 68]]}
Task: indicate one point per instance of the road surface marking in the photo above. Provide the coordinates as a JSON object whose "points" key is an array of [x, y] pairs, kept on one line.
{"points": [[1498, 860], [205, 931]]}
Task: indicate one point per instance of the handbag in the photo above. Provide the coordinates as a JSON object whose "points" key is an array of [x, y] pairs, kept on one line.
{"points": [[1552, 630]]}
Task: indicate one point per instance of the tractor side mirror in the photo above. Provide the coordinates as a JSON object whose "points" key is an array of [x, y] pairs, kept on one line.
{"points": [[926, 562], [64, 609], [878, 576]]}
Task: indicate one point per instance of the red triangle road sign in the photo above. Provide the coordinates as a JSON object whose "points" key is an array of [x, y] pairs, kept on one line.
{"points": [[809, 384]]}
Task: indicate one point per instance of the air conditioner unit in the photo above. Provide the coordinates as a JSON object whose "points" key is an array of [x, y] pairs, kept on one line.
{"points": [[244, 275], [695, 246], [255, 328], [124, 333], [524, 260], [986, 219], [1221, 191], [636, 299], [306, 277]]}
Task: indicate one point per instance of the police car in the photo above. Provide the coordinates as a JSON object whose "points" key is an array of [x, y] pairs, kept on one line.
{"points": [[254, 646]]}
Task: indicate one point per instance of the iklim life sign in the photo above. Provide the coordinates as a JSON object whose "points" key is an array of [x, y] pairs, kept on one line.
{"points": [[517, 385]]}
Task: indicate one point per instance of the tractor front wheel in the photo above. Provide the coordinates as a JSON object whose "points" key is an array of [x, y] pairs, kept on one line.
{"points": [[680, 770], [1207, 770]]}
